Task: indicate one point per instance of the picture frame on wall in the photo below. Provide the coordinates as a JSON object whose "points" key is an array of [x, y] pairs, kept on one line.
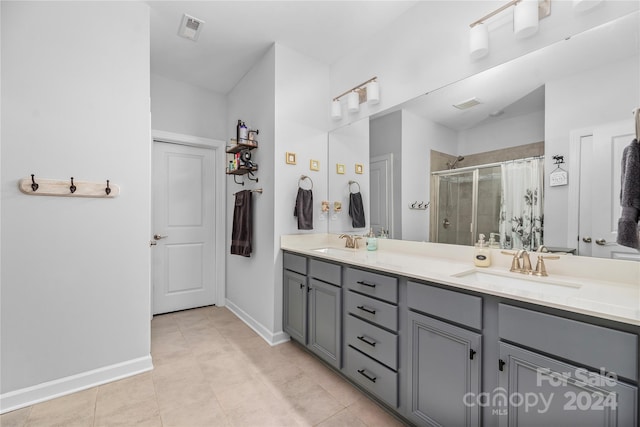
{"points": [[290, 158], [359, 168], [314, 165], [340, 168]]}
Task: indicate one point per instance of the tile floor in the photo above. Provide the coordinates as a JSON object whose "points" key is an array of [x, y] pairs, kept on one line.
{"points": [[213, 370]]}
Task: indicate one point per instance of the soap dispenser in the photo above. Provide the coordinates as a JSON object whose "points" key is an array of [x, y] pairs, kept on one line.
{"points": [[482, 256], [372, 241]]}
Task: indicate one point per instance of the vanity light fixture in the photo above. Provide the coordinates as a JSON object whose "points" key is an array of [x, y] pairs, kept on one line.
{"points": [[368, 91], [526, 15]]}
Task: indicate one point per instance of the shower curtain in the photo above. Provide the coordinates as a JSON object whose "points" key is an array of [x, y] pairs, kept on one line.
{"points": [[521, 208]]}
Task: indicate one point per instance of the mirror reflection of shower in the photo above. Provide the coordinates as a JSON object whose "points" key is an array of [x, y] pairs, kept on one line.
{"points": [[500, 200], [455, 162]]}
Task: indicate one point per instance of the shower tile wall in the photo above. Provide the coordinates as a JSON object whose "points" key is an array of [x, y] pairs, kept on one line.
{"points": [[489, 189]]}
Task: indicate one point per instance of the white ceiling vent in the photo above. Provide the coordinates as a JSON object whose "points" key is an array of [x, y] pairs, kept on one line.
{"points": [[467, 104], [190, 27]]}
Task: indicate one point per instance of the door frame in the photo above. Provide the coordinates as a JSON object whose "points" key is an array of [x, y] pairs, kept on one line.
{"points": [[220, 208], [573, 190], [388, 158]]}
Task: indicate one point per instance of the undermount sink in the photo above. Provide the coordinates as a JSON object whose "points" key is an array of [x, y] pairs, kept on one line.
{"points": [[518, 282], [335, 251]]}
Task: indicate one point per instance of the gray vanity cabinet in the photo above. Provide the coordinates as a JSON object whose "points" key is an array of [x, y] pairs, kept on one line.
{"points": [[295, 297], [325, 321], [312, 305], [445, 359], [572, 373], [537, 390]]}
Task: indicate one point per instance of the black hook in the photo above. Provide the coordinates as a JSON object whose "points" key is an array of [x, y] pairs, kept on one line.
{"points": [[73, 187], [107, 190], [34, 185]]}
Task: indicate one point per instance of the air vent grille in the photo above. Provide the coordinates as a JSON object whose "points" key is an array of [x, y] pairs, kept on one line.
{"points": [[467, 104], [190, 27]]}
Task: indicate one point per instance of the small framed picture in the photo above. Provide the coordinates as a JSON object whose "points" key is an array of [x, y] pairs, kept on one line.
{"points": [[314, 165], [359, 168], [290, 158], [340, 168]]}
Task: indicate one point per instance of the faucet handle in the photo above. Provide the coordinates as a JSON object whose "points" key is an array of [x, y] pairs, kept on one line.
{"points": [[355, 241], [540, 268], [515, 263]]}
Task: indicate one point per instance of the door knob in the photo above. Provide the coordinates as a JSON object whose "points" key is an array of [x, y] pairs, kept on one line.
{"points": [[158, 237], [601, 242], [586, 239]]}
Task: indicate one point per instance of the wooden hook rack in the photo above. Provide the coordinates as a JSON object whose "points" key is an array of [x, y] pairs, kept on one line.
{"points": [[33, 186]]}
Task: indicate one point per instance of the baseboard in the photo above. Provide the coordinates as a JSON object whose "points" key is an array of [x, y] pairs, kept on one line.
{"points": [[46, 391], [270, 337]]}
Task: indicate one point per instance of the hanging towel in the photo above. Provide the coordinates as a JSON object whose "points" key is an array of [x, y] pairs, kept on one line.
{"points": [[304, 209], [356, 210], [242, 224], [629, 222]]}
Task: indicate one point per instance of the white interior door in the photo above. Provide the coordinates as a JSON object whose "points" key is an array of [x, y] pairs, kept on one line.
{"points": [[600, 154], [183, 220], [381, 196]]}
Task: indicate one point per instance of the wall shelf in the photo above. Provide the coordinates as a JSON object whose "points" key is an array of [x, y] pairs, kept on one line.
{"points": [[242, 145], [243, 170]]}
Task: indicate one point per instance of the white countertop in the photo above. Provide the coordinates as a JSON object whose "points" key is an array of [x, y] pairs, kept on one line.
{"points": [[608, 289]]}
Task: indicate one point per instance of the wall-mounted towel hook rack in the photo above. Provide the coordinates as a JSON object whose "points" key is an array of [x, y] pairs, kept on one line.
{"points": [[302, 178], [65, 188], [236, 181], [356, 183]]}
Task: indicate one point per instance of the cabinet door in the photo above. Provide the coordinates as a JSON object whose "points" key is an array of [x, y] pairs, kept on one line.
{"points": [[444, 369], [325, 324], [539, 390], [295, 306]]}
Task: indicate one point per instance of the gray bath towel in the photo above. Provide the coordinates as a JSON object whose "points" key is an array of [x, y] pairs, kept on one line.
{"points": [[356, 210], [629, 222], [304, 209], [242, 231]]}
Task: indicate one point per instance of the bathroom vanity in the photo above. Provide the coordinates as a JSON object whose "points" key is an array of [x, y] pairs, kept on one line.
{"points": [[440, 342]]}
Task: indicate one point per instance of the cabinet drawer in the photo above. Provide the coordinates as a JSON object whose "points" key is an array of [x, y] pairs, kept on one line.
{"points": [[587, 344], [379, 380], [376, 285], [295, 263], [376, 311], [325, 271], [373, 341], [454, 306]]}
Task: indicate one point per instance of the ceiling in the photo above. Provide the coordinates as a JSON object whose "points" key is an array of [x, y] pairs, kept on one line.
{"points": [[236, 34]]}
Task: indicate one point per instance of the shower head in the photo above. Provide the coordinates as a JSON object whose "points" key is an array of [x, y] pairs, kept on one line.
{"points": [[455, 162]]}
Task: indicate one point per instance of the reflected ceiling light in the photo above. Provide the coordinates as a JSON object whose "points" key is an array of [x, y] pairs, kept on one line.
{"points": [[525, 18], [584, 5], [478, 41], [368, 91], [526, 15], [336, 109]]}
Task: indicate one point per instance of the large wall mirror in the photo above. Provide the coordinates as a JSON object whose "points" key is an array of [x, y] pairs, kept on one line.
{"points": [[572, 99]]}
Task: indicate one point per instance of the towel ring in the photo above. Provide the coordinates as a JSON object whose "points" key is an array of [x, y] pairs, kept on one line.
{"points": [[356, 183], [303, 177]]}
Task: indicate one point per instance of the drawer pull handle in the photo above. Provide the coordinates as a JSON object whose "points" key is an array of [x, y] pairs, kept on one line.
{"points": [[301, 285], [367, 341], [363, 283], [368, 310], [472, 353], [364, 374], [501, 364]]}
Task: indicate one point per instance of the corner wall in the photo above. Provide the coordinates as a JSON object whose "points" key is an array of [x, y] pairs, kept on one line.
{"points": [[75, 271]]}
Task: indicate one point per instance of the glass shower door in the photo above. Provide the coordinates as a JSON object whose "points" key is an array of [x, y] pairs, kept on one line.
{"points": [[455, 208]]}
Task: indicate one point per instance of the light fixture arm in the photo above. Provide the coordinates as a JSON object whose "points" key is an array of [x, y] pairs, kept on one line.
{"points": [[359, 87]]}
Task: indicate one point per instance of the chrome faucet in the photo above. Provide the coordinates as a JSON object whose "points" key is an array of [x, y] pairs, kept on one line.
{"points": [[351, 241]]}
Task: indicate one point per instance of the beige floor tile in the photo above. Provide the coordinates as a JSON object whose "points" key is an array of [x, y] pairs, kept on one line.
{"points": [[372, 414], [265, 418], [206, 413], [309, 400], [17, 418], [247, 396], [140, 414], [168, 343], [343, 418], [180, 392], [182, 368], [129, 390], [175, 356], [76, 409]]}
